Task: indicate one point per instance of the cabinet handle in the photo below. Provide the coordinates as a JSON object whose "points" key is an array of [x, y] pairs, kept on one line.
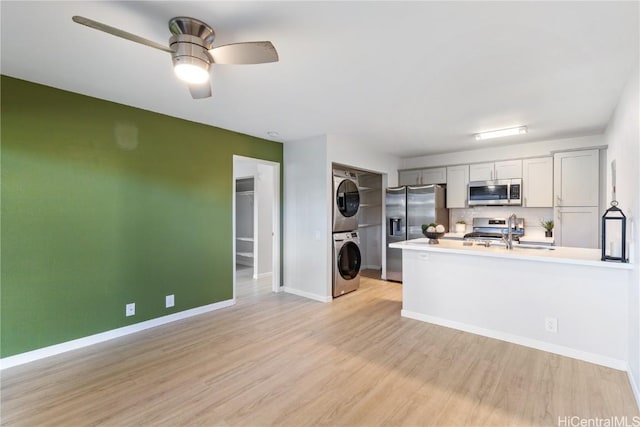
{"points": [[559, 200], [525, 202]]}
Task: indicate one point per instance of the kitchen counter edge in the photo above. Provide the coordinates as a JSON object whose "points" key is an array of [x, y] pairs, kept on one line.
{"points": [[562, 255]]}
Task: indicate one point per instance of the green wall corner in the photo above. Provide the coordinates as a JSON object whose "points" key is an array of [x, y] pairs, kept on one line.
{"points": [[104, 204]]}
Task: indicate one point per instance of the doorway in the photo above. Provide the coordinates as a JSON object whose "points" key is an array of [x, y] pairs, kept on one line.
{"points": [[256, 227]]}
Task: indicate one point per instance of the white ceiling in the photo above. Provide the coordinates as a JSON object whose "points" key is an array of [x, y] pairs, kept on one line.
{"points": [[407, 78]]}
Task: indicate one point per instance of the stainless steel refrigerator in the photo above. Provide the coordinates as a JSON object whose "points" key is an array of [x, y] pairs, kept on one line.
{"points": [[407, 208]]}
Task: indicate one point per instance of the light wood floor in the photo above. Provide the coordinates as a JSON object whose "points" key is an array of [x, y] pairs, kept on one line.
{"points": [[278, 359]]}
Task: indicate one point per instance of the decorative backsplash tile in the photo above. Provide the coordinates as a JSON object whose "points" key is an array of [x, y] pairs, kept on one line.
{"points": [[532, 216]]}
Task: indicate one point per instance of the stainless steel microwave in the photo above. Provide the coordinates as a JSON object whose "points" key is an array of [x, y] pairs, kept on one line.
{"points": [[500, 192]]}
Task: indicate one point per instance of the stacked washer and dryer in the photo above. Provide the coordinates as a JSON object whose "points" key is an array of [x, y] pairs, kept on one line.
{"points": [[347, 258]]}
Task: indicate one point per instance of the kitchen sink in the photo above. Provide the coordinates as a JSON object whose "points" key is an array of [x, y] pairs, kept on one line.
{"points": [[541, 248], [516, 246]]}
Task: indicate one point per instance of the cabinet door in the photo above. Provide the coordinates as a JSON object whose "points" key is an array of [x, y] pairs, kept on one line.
{"points": [[481, 172], [508, 169], [576, 178], [537, 182], [577, 227], [434, 176], [457, 183], [409, 177]]}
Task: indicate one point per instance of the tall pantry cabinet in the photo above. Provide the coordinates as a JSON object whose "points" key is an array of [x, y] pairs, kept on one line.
{"points": [[576, 193]]}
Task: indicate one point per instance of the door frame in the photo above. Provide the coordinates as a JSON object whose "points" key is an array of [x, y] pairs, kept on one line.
{"points": [[276, 244]]}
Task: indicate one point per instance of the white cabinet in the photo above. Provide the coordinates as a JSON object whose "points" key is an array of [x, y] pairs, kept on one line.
{"points": [[577, 226], [481, 172], [409, 177], [434, 176], [509, 169], [423, 176], [576, 178], [457, 183], [498, 170], [537, 182]]}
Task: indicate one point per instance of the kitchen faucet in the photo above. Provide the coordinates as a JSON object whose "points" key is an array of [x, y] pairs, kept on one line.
{"points": [[513, 220]]}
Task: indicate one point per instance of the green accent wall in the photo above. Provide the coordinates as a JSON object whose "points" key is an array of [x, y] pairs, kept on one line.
{"points": [[104, 204]]}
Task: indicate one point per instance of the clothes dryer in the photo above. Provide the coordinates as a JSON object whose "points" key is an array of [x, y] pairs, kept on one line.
{"points": [[346, 201]]}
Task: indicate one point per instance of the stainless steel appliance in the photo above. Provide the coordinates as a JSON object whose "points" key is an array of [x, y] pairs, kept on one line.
{"points": [[495, 229], [407, 208], [499, 192], [346, 201], [346, 262]]}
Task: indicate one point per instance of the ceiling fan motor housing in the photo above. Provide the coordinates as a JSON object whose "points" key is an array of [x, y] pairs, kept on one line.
{"points": [[188, 49]]}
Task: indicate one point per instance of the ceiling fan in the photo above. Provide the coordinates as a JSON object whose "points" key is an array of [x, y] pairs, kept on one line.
{"points": [[192, 51]]}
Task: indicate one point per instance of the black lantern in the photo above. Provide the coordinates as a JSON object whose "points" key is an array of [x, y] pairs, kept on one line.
{"points": [[614, 234]]}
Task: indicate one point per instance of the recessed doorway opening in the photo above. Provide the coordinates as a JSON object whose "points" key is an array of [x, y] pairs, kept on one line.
{"points": [[256, 227]]}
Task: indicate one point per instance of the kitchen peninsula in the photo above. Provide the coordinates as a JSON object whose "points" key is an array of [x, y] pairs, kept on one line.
{"points": [[562, 300]]}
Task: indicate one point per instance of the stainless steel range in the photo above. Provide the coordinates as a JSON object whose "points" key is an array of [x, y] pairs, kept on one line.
{"points": [[495, 229]]}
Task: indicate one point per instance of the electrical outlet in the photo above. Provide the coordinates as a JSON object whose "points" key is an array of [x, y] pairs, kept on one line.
{"points": [[169, 301], [551, 324], [130, 309]]}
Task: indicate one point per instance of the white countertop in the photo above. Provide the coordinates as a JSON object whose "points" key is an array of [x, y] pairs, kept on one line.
{"points": [[558, 254]]}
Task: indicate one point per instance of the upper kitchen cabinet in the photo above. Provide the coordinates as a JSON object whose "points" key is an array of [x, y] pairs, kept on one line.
{"points": [[576, 178], [457, 183], [423, 176], [498, 170], [537, 182], [481, 172], [409, 177]]}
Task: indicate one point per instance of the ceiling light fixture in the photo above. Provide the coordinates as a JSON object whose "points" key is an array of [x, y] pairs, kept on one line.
{"points": [[273, 134], [520, 130], [191, 73], [190, 44]]}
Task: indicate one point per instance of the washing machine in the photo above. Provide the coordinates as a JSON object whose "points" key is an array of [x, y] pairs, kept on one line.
{"points": [[346, 201], [346, 262]]}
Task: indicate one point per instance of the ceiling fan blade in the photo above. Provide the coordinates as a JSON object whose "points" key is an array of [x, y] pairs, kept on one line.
{"points": [[245, 53], [119, 33], [199, 91]]}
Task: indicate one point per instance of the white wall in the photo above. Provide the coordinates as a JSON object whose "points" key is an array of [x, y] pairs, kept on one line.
{"points": [[340, 149], [306, 226], [490, 154], [623, 138]]}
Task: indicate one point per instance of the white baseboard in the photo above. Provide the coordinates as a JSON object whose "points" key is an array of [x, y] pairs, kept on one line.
{"points": [[305, 294], [371, 267], [41, 353], [634, 387], [262, 275], [598, 359]]}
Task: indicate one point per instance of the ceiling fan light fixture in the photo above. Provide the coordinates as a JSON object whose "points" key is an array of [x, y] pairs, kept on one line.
{"points": [[520, 130], [191, 73]]}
